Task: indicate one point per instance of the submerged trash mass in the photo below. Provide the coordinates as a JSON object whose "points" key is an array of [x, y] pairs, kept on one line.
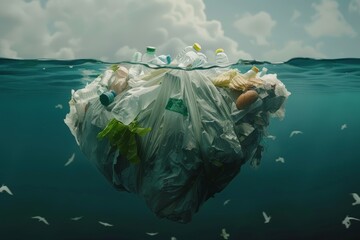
{"points": [[175, 136]]}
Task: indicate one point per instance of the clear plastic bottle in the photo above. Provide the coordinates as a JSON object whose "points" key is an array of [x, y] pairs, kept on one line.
{"points": [[200, 61], [150, 56], [263, 72], [136, 69], [221, 59], [137, 56], [189, 59], [194, 48], [203, 57], [107, 78], [91, 91]]}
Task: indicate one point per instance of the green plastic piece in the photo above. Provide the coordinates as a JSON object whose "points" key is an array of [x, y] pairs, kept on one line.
{"points": [[177, 105], [123, 137]]}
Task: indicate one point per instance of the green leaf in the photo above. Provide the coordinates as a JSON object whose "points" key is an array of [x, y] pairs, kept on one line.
{"points": [[124, 137], [132, 153], [114, 67]]}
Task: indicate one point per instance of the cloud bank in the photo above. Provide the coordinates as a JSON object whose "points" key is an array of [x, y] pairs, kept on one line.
{"points": [[109, 30], [257, 26], [328, 21]]}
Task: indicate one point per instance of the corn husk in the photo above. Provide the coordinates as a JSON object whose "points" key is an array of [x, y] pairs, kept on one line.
{"points": [[234, 80], [224, 79]]}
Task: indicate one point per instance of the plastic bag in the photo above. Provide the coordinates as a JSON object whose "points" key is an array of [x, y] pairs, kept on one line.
{"points": [[195, 143]]}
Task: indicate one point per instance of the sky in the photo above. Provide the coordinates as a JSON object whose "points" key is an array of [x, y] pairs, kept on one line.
{"points": [[112, 30]]}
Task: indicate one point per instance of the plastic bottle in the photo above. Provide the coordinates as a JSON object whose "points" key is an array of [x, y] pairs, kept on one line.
{"points": [[136, 69], [189, 59], [89, 92], [251, 73], [263, 71], [267, 85], [118, 81], [137, 56], [121, 72], [150, 56], [200, 60], [107, 78], [221, 58], [194, 48], [165, 58], [107, 97], [203, 58]]}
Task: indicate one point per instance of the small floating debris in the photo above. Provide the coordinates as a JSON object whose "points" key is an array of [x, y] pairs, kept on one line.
{"points": [[76, 218], [5, 188], [41, 219], [105, 224], [272, 137], [280, 159], [224, 234], [356, 198], [70, 160], [266, 217], [295, 133], [59, 106], [152, 233], [347, 221], [226, 202]]}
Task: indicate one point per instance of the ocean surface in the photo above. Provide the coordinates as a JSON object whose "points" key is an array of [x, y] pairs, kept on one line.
{"points": [[307, 197]]}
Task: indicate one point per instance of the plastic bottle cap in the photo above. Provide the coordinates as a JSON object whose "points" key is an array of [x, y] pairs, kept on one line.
{"points": [[197, 47], [168, 59], [107, 97], [219, 50], [255, 69], [150, 49]]}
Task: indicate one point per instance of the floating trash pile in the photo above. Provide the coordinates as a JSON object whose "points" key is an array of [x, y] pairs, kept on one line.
{"points": [[178, 134]]}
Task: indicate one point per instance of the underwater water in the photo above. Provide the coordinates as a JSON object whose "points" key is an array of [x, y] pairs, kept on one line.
{"points": [[307, 196]]}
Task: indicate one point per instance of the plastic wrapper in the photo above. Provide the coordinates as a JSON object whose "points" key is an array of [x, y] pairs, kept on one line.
{"points": [[174, 137]]}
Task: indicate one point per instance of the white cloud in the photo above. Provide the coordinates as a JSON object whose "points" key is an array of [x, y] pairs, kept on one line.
{"points": [[258, 26], [328, 21], [6, 51], [108, 29], [293, 49], [22, 25], [125, 52], [64, 53], [354, 6], [296, 15]]}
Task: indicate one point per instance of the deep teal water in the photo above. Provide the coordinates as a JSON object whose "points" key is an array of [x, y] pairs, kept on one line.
{"points": [[307, 197]]}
